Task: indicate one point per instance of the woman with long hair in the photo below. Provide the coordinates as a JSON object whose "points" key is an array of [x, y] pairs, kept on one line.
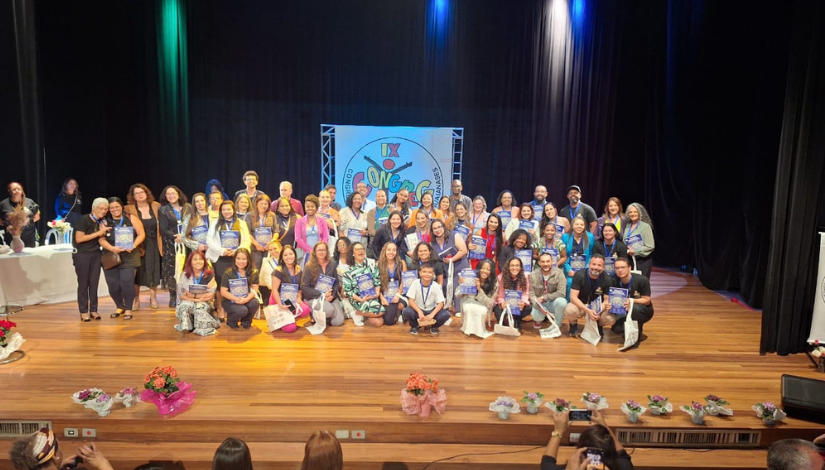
{"points": [[196, 292], [232, 454], [243, 203], [341, 254], [478, 309], [422, 253], [390, 267], [420, 232], [174, 208], [506, 207], [68, 204], [121, 278], [449, 247], [392, 231], [494, 238], [320, 263], [196, 224], [599, 436], [263, 228], [444, 206], [365, 304], [519, 240], [141, 203], [285, 219], [551, 216], [310, 229], [226, 236], [322, 452], [240, 298], [610, 247], [401, 203], [513, 278], [639, 226], [286, 286], [614, 214], [428, 208], [526, 222]]}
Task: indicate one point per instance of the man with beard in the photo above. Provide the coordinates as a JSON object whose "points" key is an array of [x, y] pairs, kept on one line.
{"points": [[540, 194], [576, 207], [588, 285], [457, 197]]}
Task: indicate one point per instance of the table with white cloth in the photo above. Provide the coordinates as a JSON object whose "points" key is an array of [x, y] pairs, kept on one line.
{"points": [[40, 275]]}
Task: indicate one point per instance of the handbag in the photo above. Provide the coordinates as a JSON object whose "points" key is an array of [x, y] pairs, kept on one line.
{"points": [[110, 260], [319, 316], [631, 329], [509, 329], [277, 317], [551, 331], [180, 258]]}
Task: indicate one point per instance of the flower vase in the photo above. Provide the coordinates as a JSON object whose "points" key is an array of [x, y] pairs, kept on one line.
{"points": [[532, 408], [655, 411], [17, 244], [633, 417], [503, 414], [698, 418], [769, 421], [426, 408], [821, 367]]}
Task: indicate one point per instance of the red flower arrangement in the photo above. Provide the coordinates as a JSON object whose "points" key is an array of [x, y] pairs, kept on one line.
{"points": [[163, 387], [5, 328]]}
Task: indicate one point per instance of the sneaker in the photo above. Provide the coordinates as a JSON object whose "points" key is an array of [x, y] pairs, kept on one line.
{"points": [[536, 325], [574, 329], [358, 320], [414, 330], [434, 331]]}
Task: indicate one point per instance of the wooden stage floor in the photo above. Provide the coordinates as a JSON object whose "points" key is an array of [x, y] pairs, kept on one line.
{"points": [[264, 387]]}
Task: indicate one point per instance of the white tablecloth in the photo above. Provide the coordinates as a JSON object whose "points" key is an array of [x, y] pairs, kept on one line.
{"points": [[40, 275]]}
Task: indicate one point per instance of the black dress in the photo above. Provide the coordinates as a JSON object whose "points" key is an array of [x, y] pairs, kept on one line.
{"points": [[149, 272]]}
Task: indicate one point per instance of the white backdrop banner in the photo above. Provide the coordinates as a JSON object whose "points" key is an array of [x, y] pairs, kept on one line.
{"points": [[418, 159], [818, 321]]}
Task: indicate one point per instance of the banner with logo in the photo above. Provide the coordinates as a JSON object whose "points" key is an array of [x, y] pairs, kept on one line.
{"points": [[818, 321], [418, 159]]}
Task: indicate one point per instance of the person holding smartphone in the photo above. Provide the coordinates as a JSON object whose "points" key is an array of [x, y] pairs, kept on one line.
{"points": [[596, 443]]}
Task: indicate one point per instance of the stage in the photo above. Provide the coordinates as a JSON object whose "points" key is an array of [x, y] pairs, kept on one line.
{"points": [[273, 390]]}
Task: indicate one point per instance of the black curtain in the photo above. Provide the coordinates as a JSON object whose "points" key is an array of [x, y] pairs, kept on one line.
{"points": [[791, 281]]}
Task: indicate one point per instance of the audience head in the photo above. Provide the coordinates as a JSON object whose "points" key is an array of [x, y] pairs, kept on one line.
{"points": [[794, 454], [37, 451], [322, 452], [232, 454]]}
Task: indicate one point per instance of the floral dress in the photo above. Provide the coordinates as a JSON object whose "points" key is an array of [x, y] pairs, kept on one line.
{"points": [[349, 282]]}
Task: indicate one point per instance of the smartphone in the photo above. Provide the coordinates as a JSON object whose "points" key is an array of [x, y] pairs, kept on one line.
{"points": [[289, 305], [580, 415], [595, 459]]}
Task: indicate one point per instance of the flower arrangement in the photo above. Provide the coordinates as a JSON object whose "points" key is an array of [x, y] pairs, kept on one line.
{"points": [[9, 342], [5, 328], [422, 394], [696, 411], [59, 225], [102, 403], [18, 219], [594, 401], [716, 406], [164, 388], [658, 405], [633, 409], [559, 405], [504, 406], [127, 396], [88, 394], [768, 413], [532, 400], [819, 354]]}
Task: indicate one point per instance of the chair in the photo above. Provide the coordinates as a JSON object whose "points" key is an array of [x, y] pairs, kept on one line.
{"points": [[59, 238]]}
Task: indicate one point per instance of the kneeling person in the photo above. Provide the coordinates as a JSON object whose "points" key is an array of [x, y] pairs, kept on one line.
{"points": [[638, 289], [588, 285], [426, 301], [547, 289]]}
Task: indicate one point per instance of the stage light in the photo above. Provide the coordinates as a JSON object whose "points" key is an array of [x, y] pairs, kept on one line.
{"points": [[438, 27], [578, 11]]}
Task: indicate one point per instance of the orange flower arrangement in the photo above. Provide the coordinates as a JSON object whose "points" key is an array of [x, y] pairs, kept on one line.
{"points": [[162, 380], [164, 389], [419, 384]]}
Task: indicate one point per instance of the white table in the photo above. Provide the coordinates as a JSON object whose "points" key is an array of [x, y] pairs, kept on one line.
{"points": [[41, 275]]}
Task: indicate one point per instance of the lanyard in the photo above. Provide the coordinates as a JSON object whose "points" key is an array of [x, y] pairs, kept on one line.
{"points": [[205, 219], [357, 213], [612, 247], [475, 218], [228, 224], [574, 212], [177, 213], [629, 286], [261, 220], [545, 280], [491, 242], [630, 230], [425, 295], [294, 277], [593, 284], [391, 272], [120, 222], [200, 278], [577, 246], [94, 218]]}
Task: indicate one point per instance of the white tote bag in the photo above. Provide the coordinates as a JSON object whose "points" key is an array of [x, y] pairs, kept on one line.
{"points": [[551, 331], [277, 317], [319, 316], [501, 329], [631, 329]]}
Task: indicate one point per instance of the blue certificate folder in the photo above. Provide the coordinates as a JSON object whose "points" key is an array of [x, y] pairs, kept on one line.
{"points": [[263, 235], [468, 282], [354, 235], [463, 230], [513, 299], [390, 290], [365, 285], [481, 248], [407, 278], [526, 257], [289, 292], [617, 297], [577, 262], [199, 234], [526, 225], [324, 283], [230, 239], [125, 238], [239, 287], [635, 242], [198, 289]]}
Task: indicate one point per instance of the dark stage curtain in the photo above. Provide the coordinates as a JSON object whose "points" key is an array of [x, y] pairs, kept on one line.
{"points": [[791, 281]]}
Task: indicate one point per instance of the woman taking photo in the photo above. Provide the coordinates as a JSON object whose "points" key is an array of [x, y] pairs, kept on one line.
{"points": [[173, 209], [551, 216], [478, 218], [638, 236], [392, 231], [68, 204], [320, 263], [121, 278], [551, 244], [263, 229], [365, 305], [610, 247], [423, 253], [40, 451], [513, 278], [353, 218], [89, 229], [141, 202], [285, 219], [390, 267], [419, 233], [286, 286], [427, 208], [525, 222], [599, 436], [494, 239], [579, 245], [196, 291], [196, 224], [310, 229], [506, 207], [613, 213], [226, 236], [478, 309], [239, 289]]}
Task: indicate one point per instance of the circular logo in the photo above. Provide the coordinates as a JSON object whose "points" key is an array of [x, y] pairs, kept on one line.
{"points": [[823, 289], [392, 164]]}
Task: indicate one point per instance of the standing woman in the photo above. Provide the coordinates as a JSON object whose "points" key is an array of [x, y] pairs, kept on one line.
{"points": [[174, 207], [614, 214], [243, 203], [17, 198], [196, 224], [215, 200], [640, 225], [401, 202], [421, 229], [427, 208], [310, 229], [495, 242], [392, 231], [378, 216], [390, 267], [460, 217], [89, 230], [121, 279], [194, 312], [444, 207], [352, 217], [445, 241], [525, 222], [478, 218], [579, 243], [263, 228], [226, 236], [68, 204], [513, 277], [240, 301], [506, 207], [285, 219], [368, 306], [328, 212], [551, 216], [141, 203], [321, 263]]}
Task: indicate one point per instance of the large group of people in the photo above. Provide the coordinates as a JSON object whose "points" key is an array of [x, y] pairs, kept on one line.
{"points": [[222, 259]]}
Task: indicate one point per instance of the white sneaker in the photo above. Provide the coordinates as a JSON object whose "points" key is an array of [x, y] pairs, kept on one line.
{"points": [[358, 320]]}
